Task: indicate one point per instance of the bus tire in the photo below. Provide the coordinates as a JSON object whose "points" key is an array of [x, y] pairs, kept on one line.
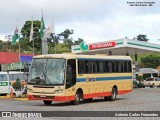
{"points": [[77, 98], [46, 102], [114, 94]]}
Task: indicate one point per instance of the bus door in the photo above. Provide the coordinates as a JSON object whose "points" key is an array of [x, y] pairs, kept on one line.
{"points": [[70, 77]]}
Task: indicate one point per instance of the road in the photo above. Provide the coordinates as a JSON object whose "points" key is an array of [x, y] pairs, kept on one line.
{"points": [[141, 99]]}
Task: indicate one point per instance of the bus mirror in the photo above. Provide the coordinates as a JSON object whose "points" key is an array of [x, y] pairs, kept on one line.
{"points": [[26, 67]]}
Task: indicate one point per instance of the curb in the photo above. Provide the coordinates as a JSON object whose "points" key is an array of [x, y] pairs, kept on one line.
{"points": [[7, 96], [23, 99]]}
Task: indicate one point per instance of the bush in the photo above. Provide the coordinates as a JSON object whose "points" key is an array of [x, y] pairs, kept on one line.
{"points": [[17, 84]]}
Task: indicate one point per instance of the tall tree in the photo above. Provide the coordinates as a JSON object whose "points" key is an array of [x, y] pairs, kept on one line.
{"points": [[66, 34], [67, 40], [78, 42], [151, 60], [25, 31], [1, 45], [7, 47], [142, 38]]}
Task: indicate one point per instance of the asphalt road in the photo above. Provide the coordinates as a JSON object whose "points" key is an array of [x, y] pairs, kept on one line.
{"points": [[141, 99]]}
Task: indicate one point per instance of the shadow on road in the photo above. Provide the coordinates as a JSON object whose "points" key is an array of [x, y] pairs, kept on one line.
{"points": [[62, 104]]}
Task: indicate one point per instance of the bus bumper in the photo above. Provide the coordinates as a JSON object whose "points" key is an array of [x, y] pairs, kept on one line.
{"points": [[50, 98]]}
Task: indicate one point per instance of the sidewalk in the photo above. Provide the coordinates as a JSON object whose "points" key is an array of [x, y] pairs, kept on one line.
{"points": [[15, 98], [21, 99]]}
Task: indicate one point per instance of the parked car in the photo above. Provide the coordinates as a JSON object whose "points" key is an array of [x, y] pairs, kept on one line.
{"points": [[151, 82]]}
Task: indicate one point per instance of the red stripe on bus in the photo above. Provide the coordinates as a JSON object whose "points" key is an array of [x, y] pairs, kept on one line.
{"points": [[123, 92], [55, 98], [63, 98], [85, 96], [92, 95]]}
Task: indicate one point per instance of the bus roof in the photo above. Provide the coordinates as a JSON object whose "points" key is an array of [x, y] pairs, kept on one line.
{"points": [[73, 56]]}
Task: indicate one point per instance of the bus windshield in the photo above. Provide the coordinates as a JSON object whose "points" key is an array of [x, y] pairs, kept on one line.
{"points": [[47, 72]]}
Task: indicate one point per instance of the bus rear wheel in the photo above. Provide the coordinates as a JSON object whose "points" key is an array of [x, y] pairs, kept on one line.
{"points": [[77, 99], [114, 94], [46, 102]]}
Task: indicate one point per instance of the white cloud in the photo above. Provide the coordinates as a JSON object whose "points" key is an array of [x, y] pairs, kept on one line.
{"points": [[97, 20], [109, 29]]}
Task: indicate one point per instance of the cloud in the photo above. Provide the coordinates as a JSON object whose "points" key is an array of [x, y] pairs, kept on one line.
{"points": [[109, 29], [63, 11], [97, 20]]}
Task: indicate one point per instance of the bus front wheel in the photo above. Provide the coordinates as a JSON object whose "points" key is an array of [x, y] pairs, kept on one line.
{"points": [[47, 102], [77, 99]]}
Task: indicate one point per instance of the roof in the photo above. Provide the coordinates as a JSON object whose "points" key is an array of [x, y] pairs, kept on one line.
{"points": [[147, 70], [120, 47], [73, 56]]}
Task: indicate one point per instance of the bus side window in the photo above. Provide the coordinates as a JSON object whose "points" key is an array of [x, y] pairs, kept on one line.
{"points": [[80, 67]]}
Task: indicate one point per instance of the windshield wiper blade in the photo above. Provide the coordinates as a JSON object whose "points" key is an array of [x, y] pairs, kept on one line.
{"points": [[36, 81], [46, 78]]}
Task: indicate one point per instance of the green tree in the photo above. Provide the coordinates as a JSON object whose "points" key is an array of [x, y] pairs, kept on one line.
{"points": [[62, 48], [17, 84], [151, 60], [7, 47], [65, 37], [25, 32], [66, 34], [142, 38], [1, 45], [62, 42], [78, 42]]}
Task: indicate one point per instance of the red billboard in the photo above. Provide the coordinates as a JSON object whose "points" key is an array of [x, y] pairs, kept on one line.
{"points": [[11, 57], [8, 57], [101, 45]]}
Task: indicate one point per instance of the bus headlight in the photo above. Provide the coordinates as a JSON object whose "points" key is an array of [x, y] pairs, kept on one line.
{"points": [[58, 91]]}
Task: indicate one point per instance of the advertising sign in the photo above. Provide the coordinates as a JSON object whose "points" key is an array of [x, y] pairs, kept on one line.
{"points": [[85, 47], [101, 45]]}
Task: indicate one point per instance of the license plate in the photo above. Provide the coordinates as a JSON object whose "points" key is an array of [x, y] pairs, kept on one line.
{"points": [[43, 96]]}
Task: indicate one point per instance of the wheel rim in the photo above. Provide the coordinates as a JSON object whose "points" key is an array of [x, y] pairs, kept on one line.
{"points": [[77, 98], [114, 94]]}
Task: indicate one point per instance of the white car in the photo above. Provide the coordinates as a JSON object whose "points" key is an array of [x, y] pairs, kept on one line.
{"points": [[151, 82]]}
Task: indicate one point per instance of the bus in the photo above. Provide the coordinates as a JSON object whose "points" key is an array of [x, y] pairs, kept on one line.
{"points": [[13, 75], [72, 78]]}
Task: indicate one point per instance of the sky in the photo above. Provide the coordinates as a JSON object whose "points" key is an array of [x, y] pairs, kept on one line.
{"points": [[91, 20]]}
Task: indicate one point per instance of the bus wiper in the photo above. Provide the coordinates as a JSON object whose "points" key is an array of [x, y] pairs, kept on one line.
{"points": [[36, 81], [44, 76]]}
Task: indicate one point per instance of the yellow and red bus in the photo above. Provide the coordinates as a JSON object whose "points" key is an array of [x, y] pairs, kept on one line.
{"points": [[71, 77]]}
